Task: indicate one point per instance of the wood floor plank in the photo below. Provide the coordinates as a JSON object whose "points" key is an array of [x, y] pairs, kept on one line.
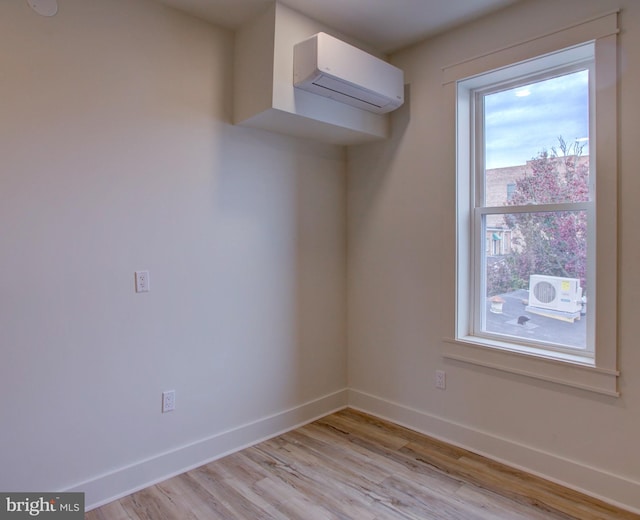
{"points": [[497, 507], [240, 500], [154, 504], [220, 495], [351, 465], [112, 511], [338, 456], [301, 470]]}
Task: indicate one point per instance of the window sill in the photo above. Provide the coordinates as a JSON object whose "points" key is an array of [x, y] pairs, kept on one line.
{"points": [[559, 368]]}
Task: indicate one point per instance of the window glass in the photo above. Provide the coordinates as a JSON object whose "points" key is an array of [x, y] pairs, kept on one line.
{"points": [[536, 283], [532, 266], [522, 121]]}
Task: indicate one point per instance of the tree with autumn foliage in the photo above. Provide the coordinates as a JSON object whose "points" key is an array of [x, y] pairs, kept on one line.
{"points": [[550, 243]]}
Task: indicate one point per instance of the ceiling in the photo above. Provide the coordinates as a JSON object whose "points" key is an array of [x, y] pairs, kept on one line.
{"points": [[387, 25]]}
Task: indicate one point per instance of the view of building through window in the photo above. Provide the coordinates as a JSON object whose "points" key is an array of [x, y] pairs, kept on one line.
{"points": [[536, 174]]}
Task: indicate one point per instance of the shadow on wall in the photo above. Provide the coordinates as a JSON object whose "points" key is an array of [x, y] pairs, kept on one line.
{"points": [[375, 160], [384, 264], [279, 262]]}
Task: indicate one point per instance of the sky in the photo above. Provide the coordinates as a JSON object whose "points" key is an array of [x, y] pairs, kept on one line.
{"points": [[522, 122]]}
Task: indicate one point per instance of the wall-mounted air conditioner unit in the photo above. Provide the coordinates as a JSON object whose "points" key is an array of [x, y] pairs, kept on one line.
{"points": [[555, 293], [332, 68]]}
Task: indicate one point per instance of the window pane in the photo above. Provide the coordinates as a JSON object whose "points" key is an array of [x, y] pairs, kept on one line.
{"points": [[535, 281], [536, 139]]}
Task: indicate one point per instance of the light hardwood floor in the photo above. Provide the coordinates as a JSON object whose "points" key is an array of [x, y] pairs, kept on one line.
{"points": [[350, 465]]}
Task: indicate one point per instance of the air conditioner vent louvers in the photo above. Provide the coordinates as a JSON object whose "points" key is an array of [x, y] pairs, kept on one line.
{"points": [[544, 292], [342, 90]]}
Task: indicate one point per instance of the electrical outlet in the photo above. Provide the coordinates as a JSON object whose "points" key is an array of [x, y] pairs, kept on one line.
{"points": [[168, 401], [142, 281], [441, 379]]}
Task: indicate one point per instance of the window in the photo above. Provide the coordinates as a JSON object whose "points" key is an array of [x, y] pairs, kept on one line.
{"points": [[518, 129], [535, 261]]}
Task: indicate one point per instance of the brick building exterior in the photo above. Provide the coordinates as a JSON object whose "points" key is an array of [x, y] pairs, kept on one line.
{"points": [[499, 185]]}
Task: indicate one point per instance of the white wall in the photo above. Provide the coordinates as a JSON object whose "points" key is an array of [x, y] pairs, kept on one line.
{"points": [[118, 155], [401, 210]]}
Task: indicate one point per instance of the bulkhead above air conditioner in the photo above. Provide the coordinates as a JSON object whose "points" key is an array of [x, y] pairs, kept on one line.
{"points": [[332, 68]]}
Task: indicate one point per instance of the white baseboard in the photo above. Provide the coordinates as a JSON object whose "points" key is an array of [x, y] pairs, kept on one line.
{"points": [[597, 483], [614, 489], [124, 481]]}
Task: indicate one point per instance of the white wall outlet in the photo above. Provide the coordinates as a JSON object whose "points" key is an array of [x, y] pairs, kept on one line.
{"points": [[441, 379], [142, 281], [168, 401]]}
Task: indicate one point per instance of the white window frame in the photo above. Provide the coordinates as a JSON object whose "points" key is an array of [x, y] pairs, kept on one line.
{"points": [[595, 370], [540, 69]]}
